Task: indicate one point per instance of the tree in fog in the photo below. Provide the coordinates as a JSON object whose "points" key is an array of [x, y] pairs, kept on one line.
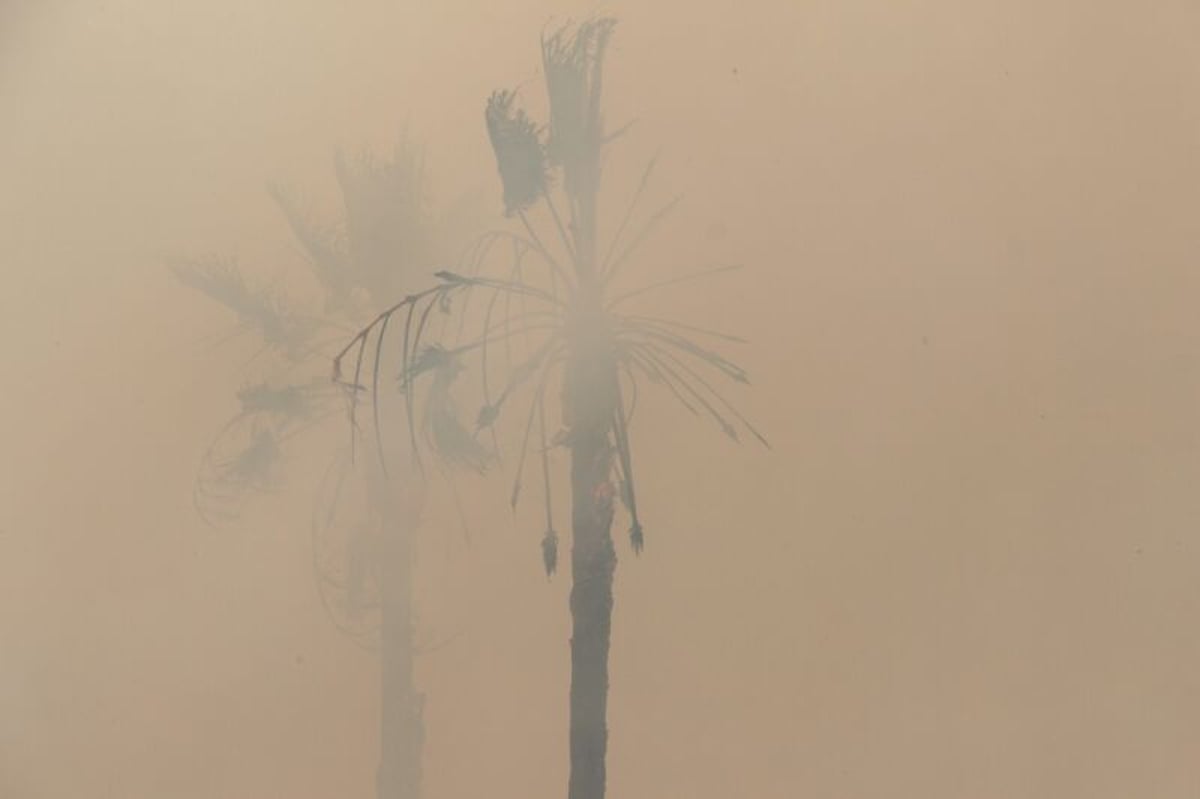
{"points": [[363, 521], [539, 304]]}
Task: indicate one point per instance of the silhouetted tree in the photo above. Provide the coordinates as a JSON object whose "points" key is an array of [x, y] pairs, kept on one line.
{"points": [[554, 310], [364, 522]]}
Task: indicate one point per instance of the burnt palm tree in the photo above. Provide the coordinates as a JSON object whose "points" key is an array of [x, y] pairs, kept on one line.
{"points": [[363, 525], [542, 304]]}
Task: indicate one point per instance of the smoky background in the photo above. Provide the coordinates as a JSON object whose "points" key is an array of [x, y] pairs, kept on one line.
{"points": [[967, 568]]}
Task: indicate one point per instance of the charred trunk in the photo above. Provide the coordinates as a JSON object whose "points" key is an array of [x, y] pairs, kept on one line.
{"points": [[591, 403]]}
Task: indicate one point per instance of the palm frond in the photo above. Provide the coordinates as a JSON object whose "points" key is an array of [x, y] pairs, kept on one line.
{"points": [[518, 376], [572, 62], [256, 307], [241, 459], [380, 340], [325, 248], [288, 401], [672, 377], [713, 359], [682, 379], [444, 433], [519, 474], [529, 290], [219, 278], [636, 358], [432, 357], [344, 549], [701, 381], [628, 486], [389, 227], [520, 157]]}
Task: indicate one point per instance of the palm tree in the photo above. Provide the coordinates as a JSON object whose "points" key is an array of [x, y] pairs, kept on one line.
{"points": [[551, 309], [363, 526]]}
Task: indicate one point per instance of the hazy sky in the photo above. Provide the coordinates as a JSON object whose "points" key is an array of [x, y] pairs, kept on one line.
{"points": [[969, 568]]}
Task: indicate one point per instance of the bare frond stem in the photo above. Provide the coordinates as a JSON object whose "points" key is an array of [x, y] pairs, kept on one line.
{"points": [[629, 295], [670, 366], [362, 349], [639, 238], [637, 195], [633, 390], [522, 373], [408, 389], [672, 377], [535, 243], [375, 394], [539, 391], [567, 242], [545, 460], [501, 285], [621, 433], [515, 495], [637, 358], [366, 331], [488, 337]]}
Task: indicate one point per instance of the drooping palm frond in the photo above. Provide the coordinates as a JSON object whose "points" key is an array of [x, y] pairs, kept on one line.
{"points": [[418, 358], [441, 425], [242, 459], [386, 236], [537, 412], [659, 335], [576, 285], [443, 431], [346, 540], [433, 358], [290, 408], [691, 389], [628, 491], [647, 346]]}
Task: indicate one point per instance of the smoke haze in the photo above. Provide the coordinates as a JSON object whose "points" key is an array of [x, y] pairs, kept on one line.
{"points": [[967, 568]]}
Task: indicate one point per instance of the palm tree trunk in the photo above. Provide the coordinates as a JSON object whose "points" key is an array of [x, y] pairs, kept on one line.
{"points": [[591, 402], [402, 732], [401, 727]]}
